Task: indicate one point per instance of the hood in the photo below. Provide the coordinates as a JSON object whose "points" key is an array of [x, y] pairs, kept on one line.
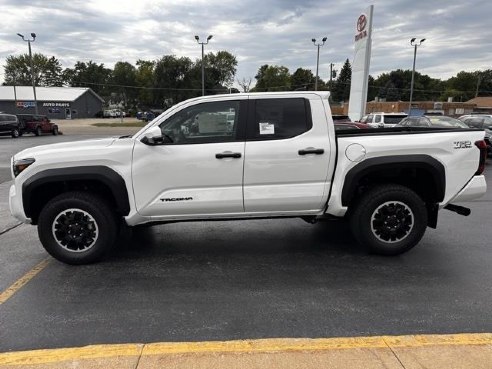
{"points": [[65, 147]]}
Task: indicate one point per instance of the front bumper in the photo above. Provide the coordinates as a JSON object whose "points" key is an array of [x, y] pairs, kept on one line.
{"points": [[15, 204], [477, 187]]}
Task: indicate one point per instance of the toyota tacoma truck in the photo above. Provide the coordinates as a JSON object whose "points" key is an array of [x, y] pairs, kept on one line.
{"points": [[243, 156]]}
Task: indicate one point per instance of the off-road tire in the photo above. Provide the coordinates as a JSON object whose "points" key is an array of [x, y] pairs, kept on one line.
{"points": [[77, 227], [389, 219]]}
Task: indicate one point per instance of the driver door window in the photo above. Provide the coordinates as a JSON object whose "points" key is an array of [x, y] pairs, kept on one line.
{"points": [[203, 123]]}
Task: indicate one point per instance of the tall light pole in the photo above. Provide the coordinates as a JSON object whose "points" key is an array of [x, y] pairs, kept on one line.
{"points": [[33, 35], [415, 45], [203, 62], [317, 60]]}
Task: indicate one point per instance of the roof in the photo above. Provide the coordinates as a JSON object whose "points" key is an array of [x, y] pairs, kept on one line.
{"points": [[482, 101], [44, 93]]}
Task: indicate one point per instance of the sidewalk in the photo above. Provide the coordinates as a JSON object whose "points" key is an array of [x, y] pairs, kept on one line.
{"points": [[84, 126], [459, 351]]}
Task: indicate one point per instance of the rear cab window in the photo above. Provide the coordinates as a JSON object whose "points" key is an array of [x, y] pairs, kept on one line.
{"points": [[275, 119]]}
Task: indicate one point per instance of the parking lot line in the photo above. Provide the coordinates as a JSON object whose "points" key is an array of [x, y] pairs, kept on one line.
{"points": [[22, 281], [440, 343]]}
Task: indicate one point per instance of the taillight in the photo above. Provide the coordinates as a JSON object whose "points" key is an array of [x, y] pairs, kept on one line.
{"points": [[482, 146]]}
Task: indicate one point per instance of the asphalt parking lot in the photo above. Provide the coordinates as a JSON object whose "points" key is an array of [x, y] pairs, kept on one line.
{"points": [[247, 279]]}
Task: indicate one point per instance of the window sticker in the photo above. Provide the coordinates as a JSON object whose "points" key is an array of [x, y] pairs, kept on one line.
{"points": [[267, 128]]}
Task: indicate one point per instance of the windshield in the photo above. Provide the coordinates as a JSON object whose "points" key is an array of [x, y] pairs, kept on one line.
{"points": [[393, 119], [447, 122]]}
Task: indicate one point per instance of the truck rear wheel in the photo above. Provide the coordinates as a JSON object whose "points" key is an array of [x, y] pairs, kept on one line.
{"points": [[77, 228], [389, 219]]}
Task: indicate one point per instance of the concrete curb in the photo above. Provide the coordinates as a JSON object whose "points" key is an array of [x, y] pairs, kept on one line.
{"points": [[419, 351]]}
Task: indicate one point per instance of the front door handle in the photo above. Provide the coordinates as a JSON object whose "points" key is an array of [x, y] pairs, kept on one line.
{"points": [[228, 154], [311, 150]]}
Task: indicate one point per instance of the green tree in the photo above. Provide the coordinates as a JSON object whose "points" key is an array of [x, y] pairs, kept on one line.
{"points": [[124, 81], [93, 75], [145, 82], [174, 80], [465, 84], [303, 79], [272, 78], [220, 68], [341, 87], [395, 85], [372, 90], [47, 70]]}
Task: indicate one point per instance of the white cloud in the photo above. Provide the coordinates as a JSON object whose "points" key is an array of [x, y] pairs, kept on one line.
{"points": [[257, 32]]}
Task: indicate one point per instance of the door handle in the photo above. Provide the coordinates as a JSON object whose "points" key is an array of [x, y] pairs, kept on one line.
{"points": [[311, 150], [228, 154]]}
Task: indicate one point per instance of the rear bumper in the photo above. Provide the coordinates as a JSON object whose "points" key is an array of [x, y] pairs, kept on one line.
{"points": [[477, 187]]}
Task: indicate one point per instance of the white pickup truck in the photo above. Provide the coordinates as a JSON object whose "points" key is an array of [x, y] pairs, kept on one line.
{"points": [[244, 156]]}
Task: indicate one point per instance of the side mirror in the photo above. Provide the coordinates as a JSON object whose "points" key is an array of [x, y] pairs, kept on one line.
{"points": [[153, 136]]}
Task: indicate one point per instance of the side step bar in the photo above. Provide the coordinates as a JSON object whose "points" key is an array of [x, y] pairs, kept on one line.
{"points": [[461, 210]]}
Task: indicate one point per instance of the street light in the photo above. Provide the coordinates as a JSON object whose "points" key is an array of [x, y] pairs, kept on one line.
{"points": [[415, 45], [33, 35], [203, 65], [317, 60]]}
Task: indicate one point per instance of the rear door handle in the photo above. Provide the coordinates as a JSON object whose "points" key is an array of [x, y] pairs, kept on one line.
{"points": [[228, 154], [311, 150]]}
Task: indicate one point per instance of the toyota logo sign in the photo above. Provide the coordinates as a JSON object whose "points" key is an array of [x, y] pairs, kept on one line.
{"points": [[361, 23]]}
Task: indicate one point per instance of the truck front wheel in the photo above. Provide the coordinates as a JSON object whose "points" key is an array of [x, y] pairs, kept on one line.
{"points": [[389, 219], [77, 227]]}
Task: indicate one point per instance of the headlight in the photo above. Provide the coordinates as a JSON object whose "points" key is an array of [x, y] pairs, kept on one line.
{"points": [[19, 165]]}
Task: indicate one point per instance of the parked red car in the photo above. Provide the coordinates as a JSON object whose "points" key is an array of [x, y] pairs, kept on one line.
{"points": [[37, 124], [345, 119]]}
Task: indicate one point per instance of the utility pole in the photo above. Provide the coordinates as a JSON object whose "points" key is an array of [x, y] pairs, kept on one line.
{"points": [[33, 35], [317, 60], [415, 45], [479, 80], [203, 65]]}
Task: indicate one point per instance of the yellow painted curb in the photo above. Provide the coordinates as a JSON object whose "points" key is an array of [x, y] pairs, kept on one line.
{"points": [[69, 354], [22, 281], [264, 345], [464, 339], [250, 346]]}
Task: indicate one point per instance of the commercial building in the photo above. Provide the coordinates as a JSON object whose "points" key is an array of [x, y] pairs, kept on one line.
{"points": [[418, 107], [483, 104], [55, 102]]}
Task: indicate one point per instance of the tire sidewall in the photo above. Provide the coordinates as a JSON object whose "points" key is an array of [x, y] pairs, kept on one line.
{"points": [[93, 205], [376, 199], [37, 131], [15, 133], [55, 130]]}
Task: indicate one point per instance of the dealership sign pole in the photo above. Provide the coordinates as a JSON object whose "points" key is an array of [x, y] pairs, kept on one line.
{"points": [[360, 65]]}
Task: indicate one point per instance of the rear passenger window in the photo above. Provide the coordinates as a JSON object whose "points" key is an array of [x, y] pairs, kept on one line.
{"points": [[275, 119], [377, 119]]}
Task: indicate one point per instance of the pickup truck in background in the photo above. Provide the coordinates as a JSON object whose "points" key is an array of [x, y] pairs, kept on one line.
{"points": [[383, 120], [241, 156], [37, 124]]}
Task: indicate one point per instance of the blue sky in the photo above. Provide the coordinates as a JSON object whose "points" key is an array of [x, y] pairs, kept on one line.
{"points": [[458, 33]]}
